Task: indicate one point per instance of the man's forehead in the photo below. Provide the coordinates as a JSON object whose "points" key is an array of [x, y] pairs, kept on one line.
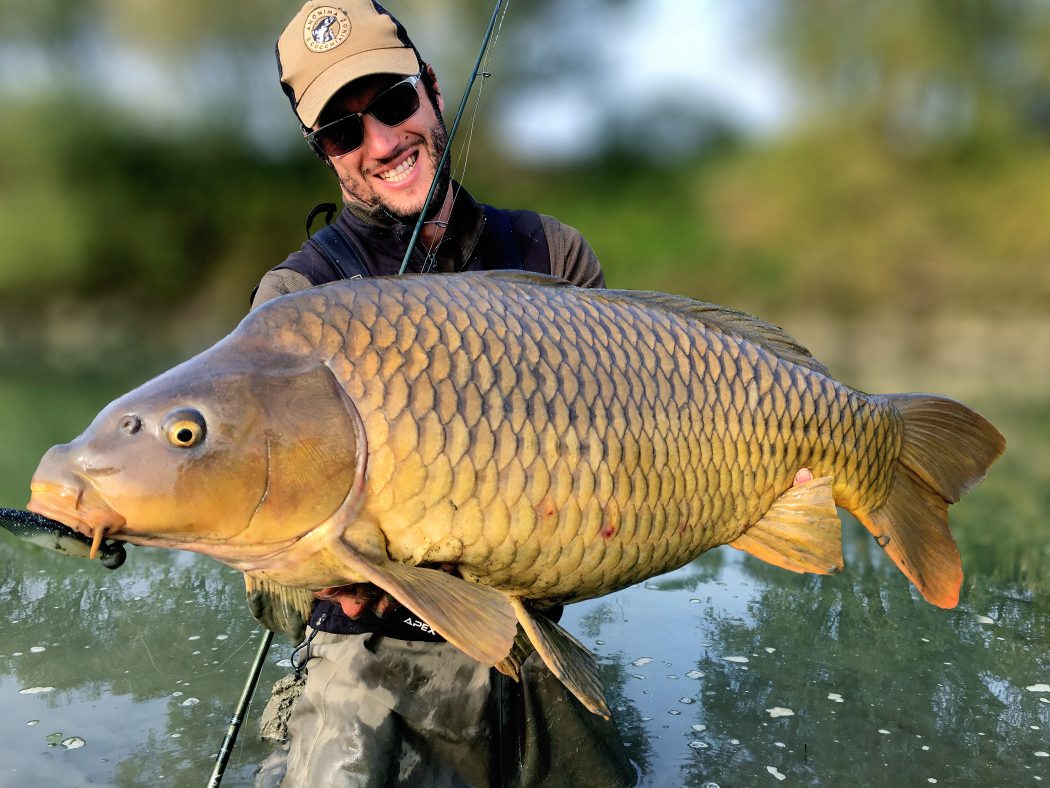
{"points": [[354, 96]]}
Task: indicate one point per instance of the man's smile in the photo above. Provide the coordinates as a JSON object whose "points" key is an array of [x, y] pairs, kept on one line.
{"points": [[401, 171]]}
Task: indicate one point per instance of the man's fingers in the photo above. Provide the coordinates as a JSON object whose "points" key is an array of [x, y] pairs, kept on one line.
{"points": [[804, 475]]}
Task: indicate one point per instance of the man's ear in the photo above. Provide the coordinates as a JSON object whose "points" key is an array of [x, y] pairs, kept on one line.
{"points": [[433, 80]]}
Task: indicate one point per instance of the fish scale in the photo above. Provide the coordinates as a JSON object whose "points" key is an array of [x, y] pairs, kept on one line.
{"points": [[548, 442]]}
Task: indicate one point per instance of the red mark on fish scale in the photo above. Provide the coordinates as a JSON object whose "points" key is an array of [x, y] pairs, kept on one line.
{"points": [[545, 508], [682, 527], [608, 531]]}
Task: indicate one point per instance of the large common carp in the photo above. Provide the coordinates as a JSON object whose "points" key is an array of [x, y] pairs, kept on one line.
{"points": [[552, 443]]}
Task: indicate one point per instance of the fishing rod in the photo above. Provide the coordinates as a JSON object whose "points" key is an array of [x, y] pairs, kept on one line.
{"points": [[234, 727], [451, 135]]}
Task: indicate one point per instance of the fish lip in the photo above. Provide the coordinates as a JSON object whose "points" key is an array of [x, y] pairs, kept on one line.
{"points": [[68, 505]]}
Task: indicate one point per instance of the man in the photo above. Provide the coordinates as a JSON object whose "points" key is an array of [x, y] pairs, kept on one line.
{"points": [[386, 700]]}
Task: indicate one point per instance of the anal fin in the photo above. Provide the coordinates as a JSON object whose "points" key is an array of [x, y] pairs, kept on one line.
{"points": [[476, 619], [567, 658], [801, 531], [519, 652]]}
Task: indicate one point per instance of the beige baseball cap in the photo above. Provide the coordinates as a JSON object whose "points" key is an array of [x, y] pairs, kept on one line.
{"points": [[327, 45]]}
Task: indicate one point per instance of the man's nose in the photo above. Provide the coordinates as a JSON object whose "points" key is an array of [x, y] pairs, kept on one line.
{"points": [[380, 140]]}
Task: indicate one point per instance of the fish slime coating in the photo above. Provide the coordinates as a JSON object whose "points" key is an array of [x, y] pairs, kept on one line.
{"points": [[553, 443]]}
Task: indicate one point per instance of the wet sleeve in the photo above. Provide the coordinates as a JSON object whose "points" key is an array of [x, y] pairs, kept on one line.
{"points": [[571, 256], [279, 282]]}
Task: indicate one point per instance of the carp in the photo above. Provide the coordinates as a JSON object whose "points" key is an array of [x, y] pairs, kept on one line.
{"points": [[551, 443]]}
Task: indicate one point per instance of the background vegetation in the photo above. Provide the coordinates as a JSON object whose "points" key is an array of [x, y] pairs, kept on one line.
{"points": [[151, 171]]}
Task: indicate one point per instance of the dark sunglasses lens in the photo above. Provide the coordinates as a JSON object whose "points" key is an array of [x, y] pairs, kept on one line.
{"points": [[396, 105], [340, 137]]}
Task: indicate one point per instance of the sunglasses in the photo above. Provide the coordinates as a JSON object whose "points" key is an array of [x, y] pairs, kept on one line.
{"points": [[392, 107]]}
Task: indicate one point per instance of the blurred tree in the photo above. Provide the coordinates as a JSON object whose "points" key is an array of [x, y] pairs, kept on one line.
{"points": [[921, 73]]}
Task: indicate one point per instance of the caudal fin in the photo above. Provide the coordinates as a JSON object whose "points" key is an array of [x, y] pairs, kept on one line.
{"points": [[947, 449]]}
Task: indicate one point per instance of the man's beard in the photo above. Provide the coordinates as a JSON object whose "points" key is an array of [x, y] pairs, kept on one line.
{"points": [[437, 143]]}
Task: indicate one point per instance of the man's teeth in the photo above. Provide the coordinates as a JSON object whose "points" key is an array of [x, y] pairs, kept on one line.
{"points": [[400, 172]]}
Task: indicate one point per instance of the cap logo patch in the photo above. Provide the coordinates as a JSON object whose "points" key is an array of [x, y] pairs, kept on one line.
{"points": [[326, 28]]}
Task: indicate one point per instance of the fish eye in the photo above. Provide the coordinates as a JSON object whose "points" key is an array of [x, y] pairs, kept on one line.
{"points": [[184, 428]]}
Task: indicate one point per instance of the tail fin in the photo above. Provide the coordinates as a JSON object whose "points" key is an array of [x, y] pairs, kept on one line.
{"points": [[947, 449]]}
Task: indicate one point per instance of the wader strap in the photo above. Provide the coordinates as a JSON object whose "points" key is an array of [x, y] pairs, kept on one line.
{"points": [[337, 250]]}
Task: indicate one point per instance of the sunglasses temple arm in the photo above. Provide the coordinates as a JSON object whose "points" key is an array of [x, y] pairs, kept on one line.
{"points": [[451, 136]]}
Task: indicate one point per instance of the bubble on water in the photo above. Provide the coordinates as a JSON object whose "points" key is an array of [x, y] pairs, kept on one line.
{"points": [[773, 770], [931, 779], [699, 728], [698, 745], [642, 661], [37, 649], [694, 674], [284, 663], [1039, 688], [983, 619], [674, 712], [734, 741], [73, 743], [646, 719], [177, 694], [835, 697], [686, 700], [884, 731], [35, 690], [694, 601], [599, 642], [925, 640], [780, 711], [176, 735], [637, 676], [1042, 754], [1034, 727], [33, 722], [1044, 700], [672, 676], [16, 653], [194, 637], [190, 702], [195, 653], [222, 637], [738, 660], [770, 650]]}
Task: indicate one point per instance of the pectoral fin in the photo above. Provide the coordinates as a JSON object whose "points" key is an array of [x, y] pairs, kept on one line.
{"points": [[476, 619], [567, 658], [278, 608], [801, 531]]}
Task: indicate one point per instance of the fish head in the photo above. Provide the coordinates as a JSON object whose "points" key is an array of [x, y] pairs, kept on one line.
{"points": [[231, 454]]}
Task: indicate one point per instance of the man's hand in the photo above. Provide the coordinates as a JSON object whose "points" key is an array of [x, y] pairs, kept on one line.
{"points": [[356, 598], [804, 475]]}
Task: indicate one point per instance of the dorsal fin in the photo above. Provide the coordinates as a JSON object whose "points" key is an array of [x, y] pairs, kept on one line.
{"points": [[718, 318], [726, 321]]}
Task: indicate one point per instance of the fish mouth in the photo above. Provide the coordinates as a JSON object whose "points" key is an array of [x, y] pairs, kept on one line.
{"points": [[77, 508]]}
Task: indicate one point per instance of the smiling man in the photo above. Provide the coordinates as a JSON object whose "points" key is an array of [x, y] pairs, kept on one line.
{"points": [[386, 700]]}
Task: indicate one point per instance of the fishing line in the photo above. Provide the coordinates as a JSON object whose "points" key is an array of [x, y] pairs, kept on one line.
{"points": [[232, 654], [452, 134], [459, 171]]}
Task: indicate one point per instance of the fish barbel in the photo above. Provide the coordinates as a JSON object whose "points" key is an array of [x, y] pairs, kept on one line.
{"points": [[552, 443]]}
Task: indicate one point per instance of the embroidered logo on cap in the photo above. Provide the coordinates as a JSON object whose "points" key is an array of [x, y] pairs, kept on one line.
{"points": [[326, 28]]}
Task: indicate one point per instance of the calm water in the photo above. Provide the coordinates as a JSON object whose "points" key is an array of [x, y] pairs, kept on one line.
{"points": [[145, 664]]}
